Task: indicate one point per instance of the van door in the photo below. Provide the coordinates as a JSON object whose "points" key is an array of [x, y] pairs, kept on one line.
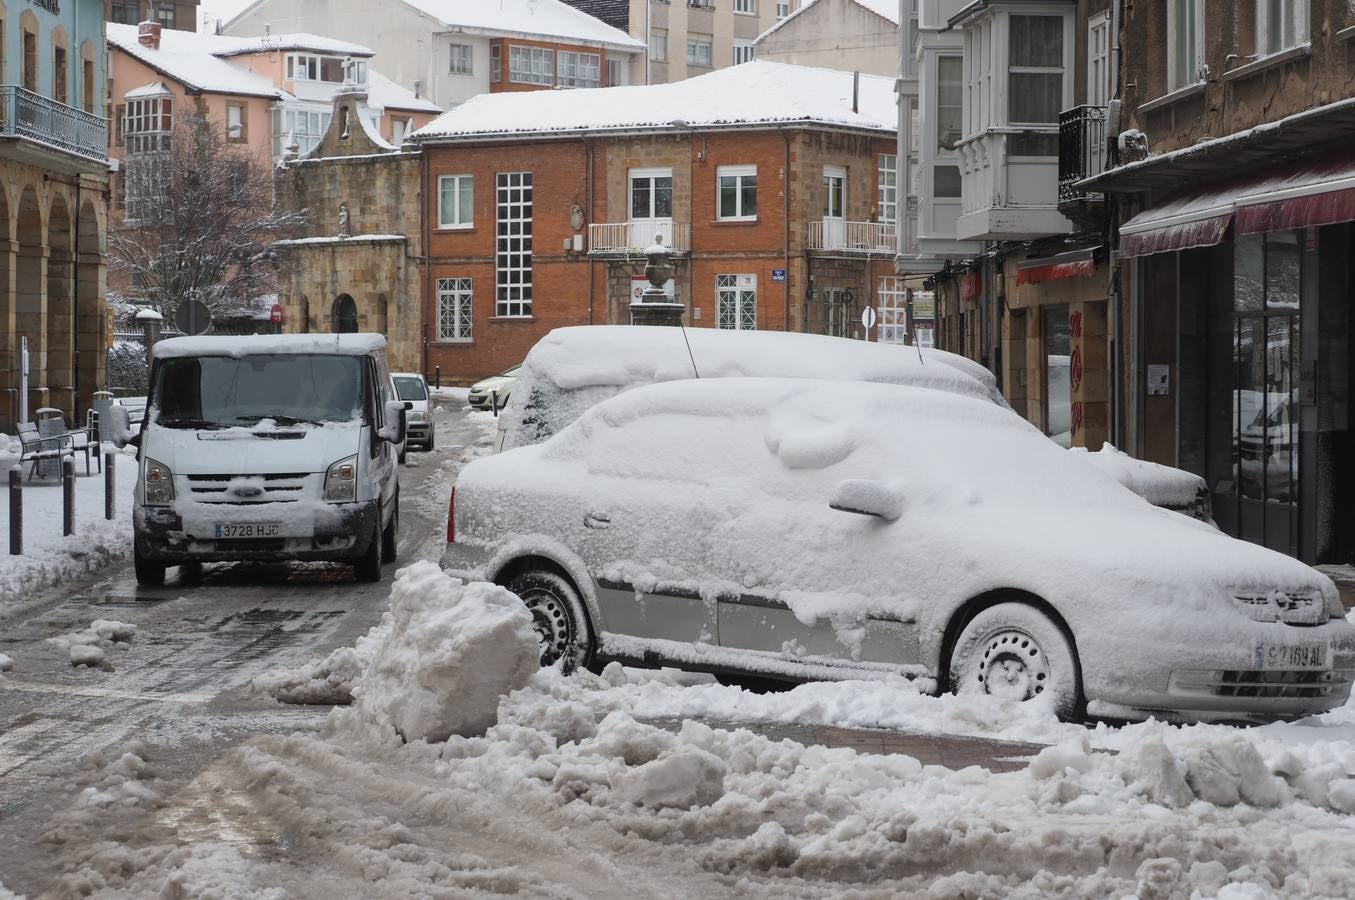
{"points": [[383, 454]]}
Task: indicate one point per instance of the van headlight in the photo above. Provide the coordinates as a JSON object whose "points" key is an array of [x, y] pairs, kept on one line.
{"points": [[341, 481], [157, 483], [418, 417]]}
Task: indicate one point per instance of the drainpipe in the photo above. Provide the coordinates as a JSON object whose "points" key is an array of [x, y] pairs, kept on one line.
{"points": [[587, 220], [1115, 294], [425, 288], [785, 221]]}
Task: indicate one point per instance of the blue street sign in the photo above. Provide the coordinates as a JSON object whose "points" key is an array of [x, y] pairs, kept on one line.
{"points": [[778, 274]]}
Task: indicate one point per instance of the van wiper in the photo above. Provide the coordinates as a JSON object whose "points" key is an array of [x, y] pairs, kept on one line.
{"points": [[280, 419], [190, 423]]}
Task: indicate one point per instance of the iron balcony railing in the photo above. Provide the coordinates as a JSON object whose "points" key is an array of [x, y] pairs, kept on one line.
{"points": [[26, 114], [1083, 150]]}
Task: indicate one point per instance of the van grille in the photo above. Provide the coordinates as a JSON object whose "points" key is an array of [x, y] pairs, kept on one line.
{"points": [[238, 490]]}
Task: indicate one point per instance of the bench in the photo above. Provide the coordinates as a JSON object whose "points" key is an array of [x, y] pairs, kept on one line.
{"points": [[38, 448]]}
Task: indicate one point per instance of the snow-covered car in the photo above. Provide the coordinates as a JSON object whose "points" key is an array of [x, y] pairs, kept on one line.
{"points": [[791, 528], [570, 369], [499, 387], [411, 387], [267, 447]]}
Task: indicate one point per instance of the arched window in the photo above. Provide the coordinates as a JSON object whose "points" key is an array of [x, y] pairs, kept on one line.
{"points": [[345, 315]]}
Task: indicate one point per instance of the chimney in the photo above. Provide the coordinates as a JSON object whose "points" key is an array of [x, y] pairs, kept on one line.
{"points": [[148, 35], [856, 91]]}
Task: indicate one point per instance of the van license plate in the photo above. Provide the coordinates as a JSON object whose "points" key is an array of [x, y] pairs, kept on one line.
{"points": [[1305, 655], [248, 530]]}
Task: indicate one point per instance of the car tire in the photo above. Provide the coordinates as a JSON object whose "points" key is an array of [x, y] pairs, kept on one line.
{"points": [[367, 567], [1013, 650], [559, 617], [428, 445], [149, 573], [391, 533]]}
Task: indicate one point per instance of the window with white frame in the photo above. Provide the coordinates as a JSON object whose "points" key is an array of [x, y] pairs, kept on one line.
{"points": [[235, 122], [306, 126], [461, 59], [1035, 82], [400, 128], [513, 247], [699, 49], [148, 124], [658, 44], [1185, 42], [1098, 59], [743, 51], [456, 201], [311, 67], [616, 72], [580, 70], [949, 101], [495, 63], [888, 208], [454, 309], [747, 7], [782, 8], [1280, 25], [736, 302], [978, 63], [737, 187], [531, 65]]}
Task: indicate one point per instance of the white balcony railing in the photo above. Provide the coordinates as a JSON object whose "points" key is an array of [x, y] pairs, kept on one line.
{"points": [[636, 236], [870, 238]]}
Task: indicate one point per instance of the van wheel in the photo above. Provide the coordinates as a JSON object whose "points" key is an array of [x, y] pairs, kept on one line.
{"points": [[368, 566], [148, 572], [1014, 651], [558, 617], [428, 446], [390, 533]]}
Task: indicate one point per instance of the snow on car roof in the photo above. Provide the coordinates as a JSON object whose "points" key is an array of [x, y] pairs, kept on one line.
{"points": [[248, 345]]}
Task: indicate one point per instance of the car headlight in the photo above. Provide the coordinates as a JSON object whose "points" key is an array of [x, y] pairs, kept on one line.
{"points": [[418, 417], [157, 483], [341, 481]]}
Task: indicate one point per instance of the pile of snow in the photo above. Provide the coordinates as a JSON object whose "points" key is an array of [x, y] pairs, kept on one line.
{"points": [[328, 681], [6, 663], [87, 647], [1158, 484], [451, 653]]}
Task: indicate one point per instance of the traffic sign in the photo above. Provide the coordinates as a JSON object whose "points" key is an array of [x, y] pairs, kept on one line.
{"points": [[275, 316], [192, 317], [868, 317]]}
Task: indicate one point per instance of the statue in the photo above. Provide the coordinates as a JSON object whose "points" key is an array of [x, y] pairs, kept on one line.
{"points": [[343, 220]]}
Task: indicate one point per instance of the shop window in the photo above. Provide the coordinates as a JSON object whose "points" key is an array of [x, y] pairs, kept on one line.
{"points": [[1058, 423]]}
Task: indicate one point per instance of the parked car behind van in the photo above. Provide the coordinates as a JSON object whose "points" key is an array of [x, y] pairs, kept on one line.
{"points": [[411, 388], [266, 448]]}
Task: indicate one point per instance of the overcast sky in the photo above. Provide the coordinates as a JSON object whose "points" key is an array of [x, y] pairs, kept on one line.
{"points": [[219, 9]]}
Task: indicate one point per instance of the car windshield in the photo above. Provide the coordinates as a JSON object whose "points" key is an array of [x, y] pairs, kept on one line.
{"points": [[410, 388], [290, 389]]}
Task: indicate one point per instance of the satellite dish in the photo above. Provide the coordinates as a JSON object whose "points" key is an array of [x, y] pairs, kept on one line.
{"points": [[192, 317]]}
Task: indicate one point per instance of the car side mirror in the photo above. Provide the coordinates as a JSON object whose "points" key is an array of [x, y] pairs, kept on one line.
{"points": [[868, 498], [119, 429], [393, 431]]}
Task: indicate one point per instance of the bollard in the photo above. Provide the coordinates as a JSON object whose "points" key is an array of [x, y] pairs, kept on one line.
{"points": [[110, 482], [68, 497], [437, 376], [16, 511]]}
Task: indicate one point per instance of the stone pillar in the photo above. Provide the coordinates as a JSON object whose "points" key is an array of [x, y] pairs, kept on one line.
{"points": [[9, 340], [60, 330], [1089, 373], [91, 325]]}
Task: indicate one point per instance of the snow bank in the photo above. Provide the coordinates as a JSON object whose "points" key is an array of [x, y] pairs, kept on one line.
{"points": [[451, 653], [327, 681]]}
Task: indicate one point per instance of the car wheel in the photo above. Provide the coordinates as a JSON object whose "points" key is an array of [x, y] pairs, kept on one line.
{"points": [[148, 572], [1014, 651], [558, 616], [368, 566], [428, 446], [391, 533]]}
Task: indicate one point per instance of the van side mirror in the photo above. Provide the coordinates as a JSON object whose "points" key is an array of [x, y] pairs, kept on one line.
{"points": [[119, 429], [394, 430], [868, 498]]}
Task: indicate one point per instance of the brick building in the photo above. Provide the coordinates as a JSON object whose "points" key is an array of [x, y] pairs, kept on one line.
{"points": [[776, 196], [178, 14]]}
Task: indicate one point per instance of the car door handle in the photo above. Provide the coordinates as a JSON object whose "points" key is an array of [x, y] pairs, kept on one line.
{"points": [[596, 520]]}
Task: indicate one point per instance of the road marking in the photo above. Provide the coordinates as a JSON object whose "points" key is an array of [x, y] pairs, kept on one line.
{"points": [[32, 687]]}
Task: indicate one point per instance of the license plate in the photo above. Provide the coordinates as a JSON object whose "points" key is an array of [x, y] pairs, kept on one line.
{"points": [[227, 531], [1306, 655]]}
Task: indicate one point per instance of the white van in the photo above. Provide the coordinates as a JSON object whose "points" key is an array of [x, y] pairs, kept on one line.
{"points": [[268, 447]]}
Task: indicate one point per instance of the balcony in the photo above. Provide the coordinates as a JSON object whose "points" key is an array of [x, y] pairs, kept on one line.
{"points": [[1009, 187], [56, 126], [1083, 152], [634, 237], [830, 235]]}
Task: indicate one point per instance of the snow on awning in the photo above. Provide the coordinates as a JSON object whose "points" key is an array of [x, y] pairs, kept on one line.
{"points": [[1072, 264], [1198, 219]]}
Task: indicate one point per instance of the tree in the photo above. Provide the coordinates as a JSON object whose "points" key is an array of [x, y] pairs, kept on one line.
{"points": [[199, 221]]}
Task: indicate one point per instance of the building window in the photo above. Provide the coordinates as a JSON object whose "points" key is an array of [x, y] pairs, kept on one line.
{"points": [[495, 63], [1185, 42], [699, 50], [454, 309], [60, 67], [1280, 24], [736, 302], [125, 12], [513, 250], [309, 67], [305, 126], [165, 16], [889, 189], [235, 123], [782, 8], [747, 7], [702, 4], [743, 51], [462, 57], [531, 65], [1098, 59], [616, 72], [949, 101], [580, 70], [400, 128], [86, 94], [946, 182], [148, 124], [30, 61], [658, 45], [456, 201], [1035, 82], [738, 192]]}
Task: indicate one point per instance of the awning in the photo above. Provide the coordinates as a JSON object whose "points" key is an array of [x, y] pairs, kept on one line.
{"points": [[1321, 193], [1071, 264]]}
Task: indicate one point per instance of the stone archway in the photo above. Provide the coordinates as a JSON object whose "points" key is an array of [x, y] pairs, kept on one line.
{"points": [[305, 314], [60, 308], [30, 293], [344, 315]]}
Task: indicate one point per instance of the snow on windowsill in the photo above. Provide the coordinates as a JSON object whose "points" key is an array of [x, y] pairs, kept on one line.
{"points": [[1261, 64], [1167, 99], [342, 239]]}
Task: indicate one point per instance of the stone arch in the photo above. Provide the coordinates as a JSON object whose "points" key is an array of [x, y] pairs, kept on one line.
{"points": [[344, 315], [382, 314], [90, 311], [60, 305], [305, 314], [30, 300]]}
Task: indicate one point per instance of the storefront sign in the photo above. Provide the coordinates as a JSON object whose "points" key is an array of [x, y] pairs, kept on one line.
{"points": [[971, 286]]}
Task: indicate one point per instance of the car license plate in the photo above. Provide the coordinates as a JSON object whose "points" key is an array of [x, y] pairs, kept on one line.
{"points": [[227, 531], [1306, 655]]}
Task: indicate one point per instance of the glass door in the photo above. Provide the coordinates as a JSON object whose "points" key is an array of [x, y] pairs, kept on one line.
{"points": [[834, 207], [651, 207]]}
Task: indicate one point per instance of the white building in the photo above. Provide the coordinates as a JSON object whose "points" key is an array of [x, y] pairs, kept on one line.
{"points": [[853, 35]]}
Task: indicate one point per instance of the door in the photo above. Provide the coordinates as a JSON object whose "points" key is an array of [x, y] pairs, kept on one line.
{"points": [[834, 207], [651, 206], [1098, 86]]}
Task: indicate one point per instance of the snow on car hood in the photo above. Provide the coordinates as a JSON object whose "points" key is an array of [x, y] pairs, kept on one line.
{"points": [[265, 449]]}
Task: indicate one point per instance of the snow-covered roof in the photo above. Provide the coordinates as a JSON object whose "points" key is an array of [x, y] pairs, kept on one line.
{"points": [[188, 58], [752, 94], [382, 93], [273, 43], [234, 345], [154, 89], [885, 9], [528, 18]]}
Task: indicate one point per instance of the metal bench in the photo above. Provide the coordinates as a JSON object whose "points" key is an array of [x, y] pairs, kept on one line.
{"points": [[39, 448]]}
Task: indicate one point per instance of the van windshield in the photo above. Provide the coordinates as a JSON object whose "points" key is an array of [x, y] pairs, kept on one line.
{"points": [[410, 388], [223, 391]]}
